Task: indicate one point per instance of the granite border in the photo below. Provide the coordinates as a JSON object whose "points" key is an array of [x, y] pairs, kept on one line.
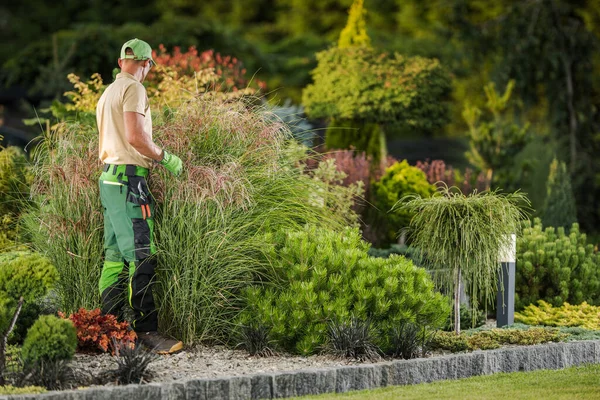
{"points": [[346, 378]]}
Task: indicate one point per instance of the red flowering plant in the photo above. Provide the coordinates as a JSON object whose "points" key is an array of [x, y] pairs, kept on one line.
{"points": [[180, 76], [438, 173], [96, 331]]}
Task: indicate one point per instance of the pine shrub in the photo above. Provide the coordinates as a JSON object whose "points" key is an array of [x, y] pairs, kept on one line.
{"points": [[49, 339], [319, 275], [555, 267]]}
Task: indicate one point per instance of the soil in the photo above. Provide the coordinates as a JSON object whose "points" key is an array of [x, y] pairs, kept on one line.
{"points": [[206, 362], [201, 362]]}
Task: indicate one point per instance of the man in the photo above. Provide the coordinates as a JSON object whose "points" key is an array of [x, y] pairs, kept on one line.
{"points": [[127, 151]]}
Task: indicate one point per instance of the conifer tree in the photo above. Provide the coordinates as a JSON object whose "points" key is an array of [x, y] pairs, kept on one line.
{"points": [[559, 207]]}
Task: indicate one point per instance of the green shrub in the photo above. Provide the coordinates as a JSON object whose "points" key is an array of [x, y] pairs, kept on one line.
{"points": [[25, 274], [559, 207], [363, 84], [494, 338], [10, 390], [320, 275], [449, 341], [50, 339], [582, 315], [398, 181], [555, 267]]}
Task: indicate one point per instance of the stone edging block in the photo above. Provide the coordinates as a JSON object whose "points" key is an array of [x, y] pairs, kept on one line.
{"points": [[346, 378]]}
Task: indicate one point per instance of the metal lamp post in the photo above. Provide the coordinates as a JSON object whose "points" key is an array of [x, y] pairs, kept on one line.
{"points": [[505, 301]]}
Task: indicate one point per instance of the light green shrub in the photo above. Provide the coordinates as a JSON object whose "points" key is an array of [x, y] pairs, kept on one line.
{"points": [[50, 339], [10, 390], [320, 275], [555, 267], [399, 180], [25, 274]]}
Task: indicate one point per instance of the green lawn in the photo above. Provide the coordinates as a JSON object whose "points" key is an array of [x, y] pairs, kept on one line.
{"points": [[572, 383]]}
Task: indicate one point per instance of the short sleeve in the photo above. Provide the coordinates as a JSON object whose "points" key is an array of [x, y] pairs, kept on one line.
{"points": [[135, 99]]}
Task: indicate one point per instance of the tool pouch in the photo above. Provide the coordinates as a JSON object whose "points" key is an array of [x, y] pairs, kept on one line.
{"points": [[137, 191]]}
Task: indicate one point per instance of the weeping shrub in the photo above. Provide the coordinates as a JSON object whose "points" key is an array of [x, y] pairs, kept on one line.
{"points": [[460, 238]]}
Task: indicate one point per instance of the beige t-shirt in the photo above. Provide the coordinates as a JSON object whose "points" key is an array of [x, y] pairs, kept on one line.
{"points": [[125, 94]]}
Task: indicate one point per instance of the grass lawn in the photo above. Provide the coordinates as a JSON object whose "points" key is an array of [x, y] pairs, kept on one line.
{"points": [[572, 383]]}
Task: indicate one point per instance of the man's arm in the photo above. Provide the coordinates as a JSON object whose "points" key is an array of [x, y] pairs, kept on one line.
{"points": [[138, 139]]}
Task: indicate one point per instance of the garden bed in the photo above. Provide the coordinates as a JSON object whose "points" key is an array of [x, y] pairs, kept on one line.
{"points": [[266, 378]]}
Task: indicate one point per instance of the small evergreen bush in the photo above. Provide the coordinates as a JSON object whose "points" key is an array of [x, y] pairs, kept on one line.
{"points": [[559, 207], [24, 278], [582, 315], [49, 339], [320, 276], [555, 267], [398, 181], [494, 338]]}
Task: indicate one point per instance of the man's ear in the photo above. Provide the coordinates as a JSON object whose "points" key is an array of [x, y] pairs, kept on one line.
{"points": [[120, 62]]}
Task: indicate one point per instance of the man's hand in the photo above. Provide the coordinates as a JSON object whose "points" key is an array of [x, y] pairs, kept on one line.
{"points": [[172, 163]]}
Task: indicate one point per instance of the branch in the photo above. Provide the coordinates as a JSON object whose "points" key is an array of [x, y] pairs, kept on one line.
{"points": [[13, 322]]}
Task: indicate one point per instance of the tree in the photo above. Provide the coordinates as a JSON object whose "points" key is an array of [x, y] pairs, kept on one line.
{"points": [[357, 85], [460, 238], [355, 32], [496, 140], [559, 208]]}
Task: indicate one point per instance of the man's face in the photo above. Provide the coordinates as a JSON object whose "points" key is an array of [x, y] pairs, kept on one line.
{"points": [[147, 66]]}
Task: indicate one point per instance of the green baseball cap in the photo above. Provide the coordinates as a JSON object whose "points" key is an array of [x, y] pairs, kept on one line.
{"points": [[141, 50]]}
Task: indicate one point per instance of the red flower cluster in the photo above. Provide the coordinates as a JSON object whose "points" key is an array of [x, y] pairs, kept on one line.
{"points": [[96, 330], [230, 69]]}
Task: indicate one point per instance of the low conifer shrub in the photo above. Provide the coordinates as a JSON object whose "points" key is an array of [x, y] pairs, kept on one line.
{"points": [[555, 266], [319, 275], [583, 315]]}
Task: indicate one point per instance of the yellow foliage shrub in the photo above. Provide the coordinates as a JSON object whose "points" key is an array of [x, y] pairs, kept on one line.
{"points": [[583, 315]]}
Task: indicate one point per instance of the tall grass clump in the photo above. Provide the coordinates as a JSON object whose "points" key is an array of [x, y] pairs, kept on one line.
{"points": [[243, 182], [460, 238], [64, 222]]}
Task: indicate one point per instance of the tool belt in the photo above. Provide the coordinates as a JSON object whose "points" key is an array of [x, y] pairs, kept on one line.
{"points": [[121, 170], [133, 178]]}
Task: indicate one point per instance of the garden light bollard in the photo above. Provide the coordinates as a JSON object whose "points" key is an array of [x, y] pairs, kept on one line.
{"points": [[505, 301]]}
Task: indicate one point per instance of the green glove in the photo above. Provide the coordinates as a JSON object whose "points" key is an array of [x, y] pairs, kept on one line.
{"points": [[172, 163]]}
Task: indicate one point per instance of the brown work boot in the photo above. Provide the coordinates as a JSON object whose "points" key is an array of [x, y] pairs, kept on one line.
{"points": [[158, 343]]}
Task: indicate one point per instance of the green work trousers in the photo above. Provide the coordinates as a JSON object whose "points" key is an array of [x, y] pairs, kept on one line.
{"points": [[128, 242]]}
